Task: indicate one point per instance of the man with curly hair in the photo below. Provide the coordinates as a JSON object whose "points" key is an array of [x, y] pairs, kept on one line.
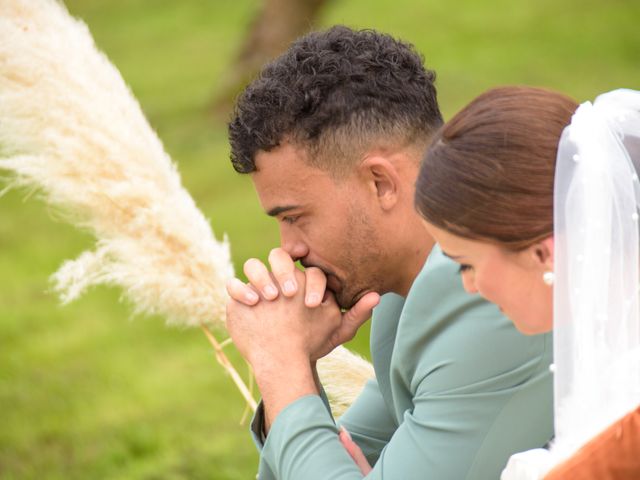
{"points": [[332, 133]]}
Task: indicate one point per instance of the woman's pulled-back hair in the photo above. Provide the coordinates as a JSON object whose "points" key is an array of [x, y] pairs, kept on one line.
{"points": [[489, 172]]}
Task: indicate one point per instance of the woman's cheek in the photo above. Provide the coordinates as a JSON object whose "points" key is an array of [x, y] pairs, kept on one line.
{"points": [[491, 290]]}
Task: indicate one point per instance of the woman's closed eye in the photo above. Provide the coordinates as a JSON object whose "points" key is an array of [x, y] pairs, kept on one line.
{"points": [[464, 268]]}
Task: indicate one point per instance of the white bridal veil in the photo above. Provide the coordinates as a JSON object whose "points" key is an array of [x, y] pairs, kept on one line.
{"points": [[597, 278], [597, 269]]}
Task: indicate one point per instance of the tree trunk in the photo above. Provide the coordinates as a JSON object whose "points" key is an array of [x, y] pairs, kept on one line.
{"points": [[276, 25]]}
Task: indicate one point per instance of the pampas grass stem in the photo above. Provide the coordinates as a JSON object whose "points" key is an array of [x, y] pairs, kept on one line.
{"points": [[224, 361]]}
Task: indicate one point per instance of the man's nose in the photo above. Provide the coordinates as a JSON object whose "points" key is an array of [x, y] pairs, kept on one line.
{"points": [[293, 245]]}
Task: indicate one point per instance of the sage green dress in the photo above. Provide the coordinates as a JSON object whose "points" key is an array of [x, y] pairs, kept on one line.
{"points": [[457, 391]]}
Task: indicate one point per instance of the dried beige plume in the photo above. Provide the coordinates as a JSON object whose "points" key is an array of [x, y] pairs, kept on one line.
{"points": [[71, 129], [343, 375]]}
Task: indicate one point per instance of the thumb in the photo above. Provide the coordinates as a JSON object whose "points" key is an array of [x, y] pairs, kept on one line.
{"points": [[357, 315], [354, 451]]}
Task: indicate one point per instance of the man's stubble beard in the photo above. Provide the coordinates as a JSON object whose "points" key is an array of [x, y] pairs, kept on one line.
{"points": [[362, 262]]}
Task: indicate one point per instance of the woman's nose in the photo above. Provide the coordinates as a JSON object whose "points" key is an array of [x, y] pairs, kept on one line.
{"points": [[468, 282]]}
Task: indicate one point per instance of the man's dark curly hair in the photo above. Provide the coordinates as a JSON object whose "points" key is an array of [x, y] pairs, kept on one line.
{"points": [[336, 93]]}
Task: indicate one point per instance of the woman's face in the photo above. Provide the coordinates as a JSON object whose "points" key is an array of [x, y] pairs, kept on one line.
{"points": [[511, 280]]}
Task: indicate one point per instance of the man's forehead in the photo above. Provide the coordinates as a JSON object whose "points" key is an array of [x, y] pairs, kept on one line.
{"points": [[277, 170], [286, 155], [279, 183], [283, 172]]}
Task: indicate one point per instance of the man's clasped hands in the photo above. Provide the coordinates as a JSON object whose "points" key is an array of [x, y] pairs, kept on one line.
{"points": [[282, 321]]}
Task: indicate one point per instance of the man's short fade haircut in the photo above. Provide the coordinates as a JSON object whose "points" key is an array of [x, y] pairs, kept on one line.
{"points": [[336, 94]]}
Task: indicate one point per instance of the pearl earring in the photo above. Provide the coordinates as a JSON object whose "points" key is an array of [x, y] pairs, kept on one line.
{"points": [[548, 278]]}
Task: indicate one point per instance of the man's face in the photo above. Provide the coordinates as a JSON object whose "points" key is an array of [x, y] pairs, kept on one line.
{"points": [[324, 222]]}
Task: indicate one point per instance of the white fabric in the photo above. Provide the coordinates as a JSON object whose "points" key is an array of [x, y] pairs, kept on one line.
{"points": [[529, 465], [597, 267], [597, 277]]}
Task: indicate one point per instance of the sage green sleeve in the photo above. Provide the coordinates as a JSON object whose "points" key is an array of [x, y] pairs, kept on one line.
{"points": [[369, 421], [460, 433], [303, 445], [462, 423], [257, 432]]}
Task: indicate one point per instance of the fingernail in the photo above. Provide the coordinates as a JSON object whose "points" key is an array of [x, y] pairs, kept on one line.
{"points": [[270, 291], [289, 286], [313, 299], [251, 297]]}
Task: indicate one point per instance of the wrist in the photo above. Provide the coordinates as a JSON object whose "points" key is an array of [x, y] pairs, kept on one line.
{"points": [[283, 384], [265, 364]]}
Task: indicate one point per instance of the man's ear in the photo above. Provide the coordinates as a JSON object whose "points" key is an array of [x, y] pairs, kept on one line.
{"points": [[384, 180], [543, 253]]}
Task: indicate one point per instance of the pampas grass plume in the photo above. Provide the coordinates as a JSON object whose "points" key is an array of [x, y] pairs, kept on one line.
{"points": [[70, 127], [343, 375]]}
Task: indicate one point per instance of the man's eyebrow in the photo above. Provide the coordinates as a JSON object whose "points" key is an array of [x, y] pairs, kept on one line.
{"points": [[275, 211]]}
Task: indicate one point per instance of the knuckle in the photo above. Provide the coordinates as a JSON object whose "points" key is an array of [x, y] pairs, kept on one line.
{"points": [[314, 271], [277, 256], [251, 264], [315, 275], [274, 252]]}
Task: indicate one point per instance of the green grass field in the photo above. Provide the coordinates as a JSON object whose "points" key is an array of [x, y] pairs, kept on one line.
{"points": [[88, 392]]}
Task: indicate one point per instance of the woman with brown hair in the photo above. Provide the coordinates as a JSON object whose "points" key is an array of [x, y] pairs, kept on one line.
{"points": [[537, 199]]}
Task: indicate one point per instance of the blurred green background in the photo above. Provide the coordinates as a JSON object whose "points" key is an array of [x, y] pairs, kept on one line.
{"points": [[88, 392]]}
